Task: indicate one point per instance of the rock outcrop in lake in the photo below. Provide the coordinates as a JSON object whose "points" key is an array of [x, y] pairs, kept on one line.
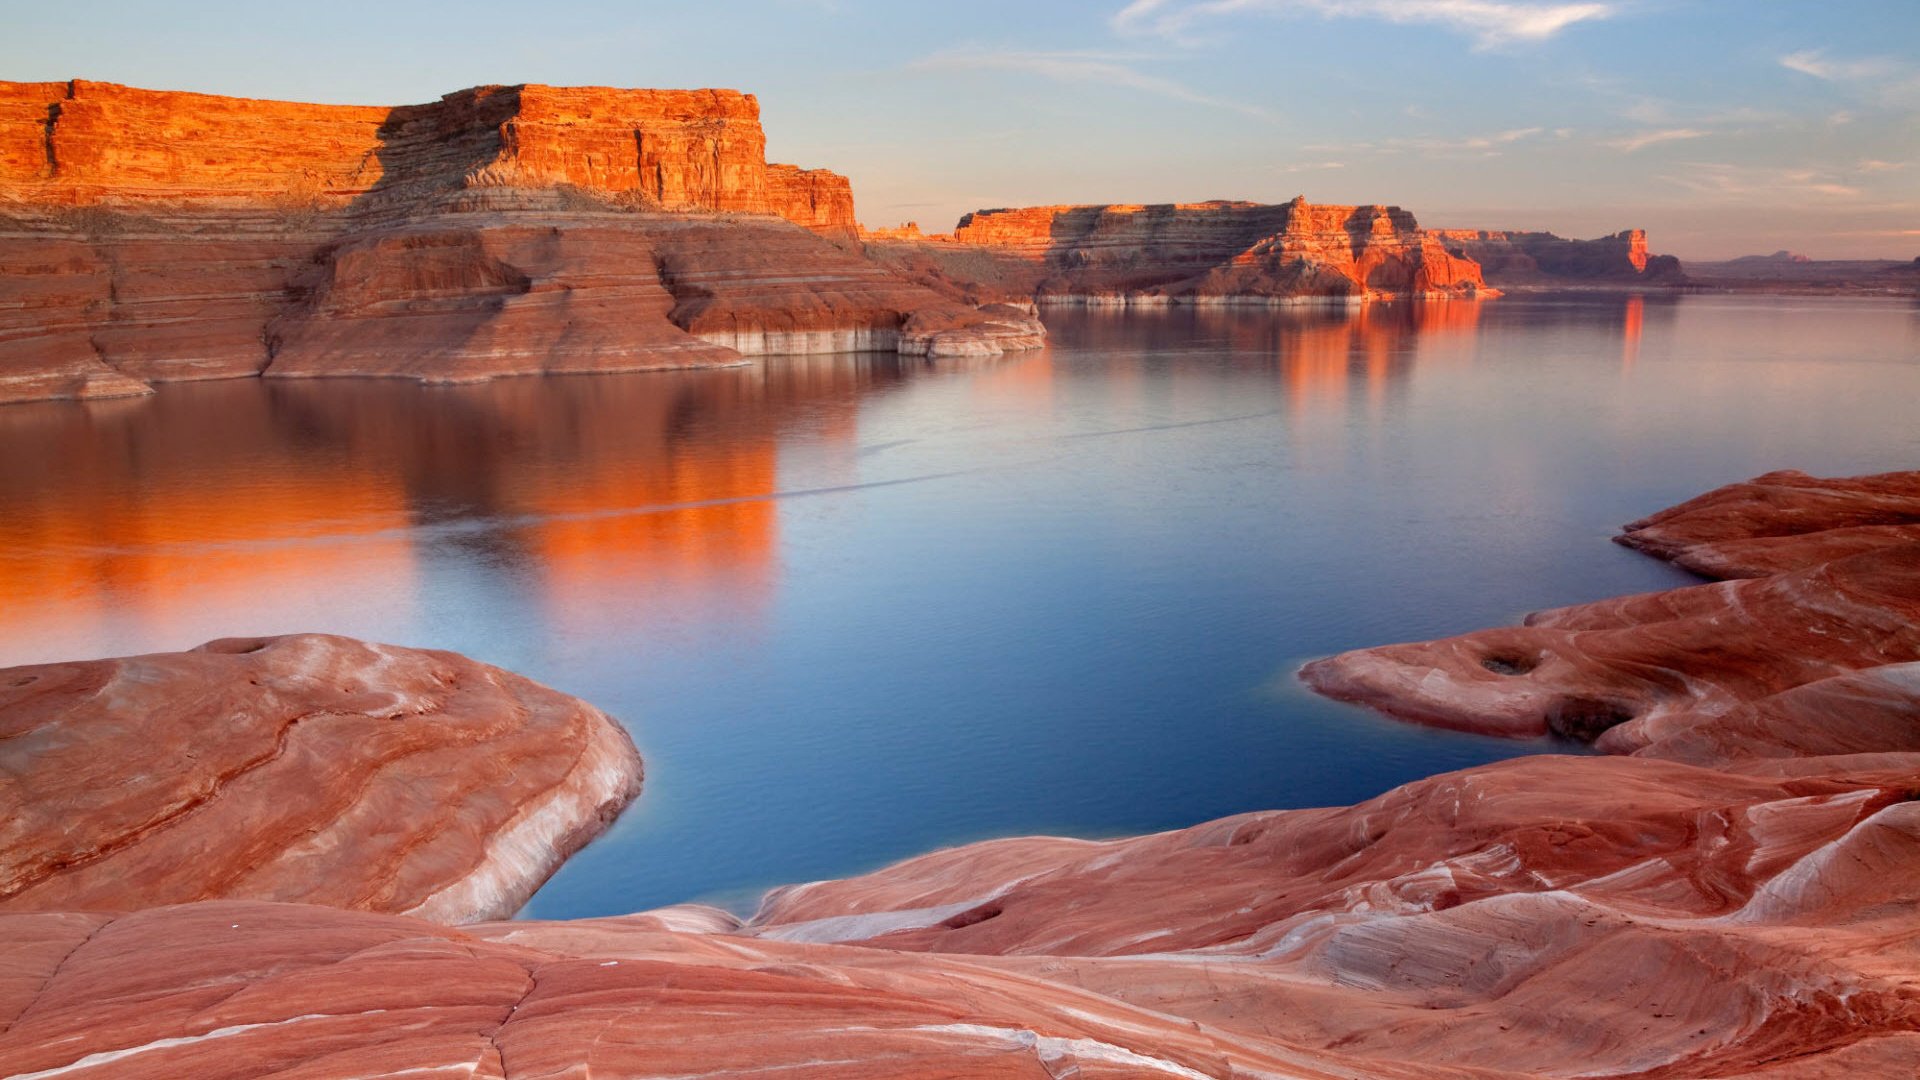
{"points": [[1733, 895], [309, 768], [1213, 252], [1540, 258], [1826, 582], [149, 236]]}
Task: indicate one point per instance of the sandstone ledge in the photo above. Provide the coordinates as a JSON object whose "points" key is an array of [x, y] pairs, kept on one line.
{"points": [[1826, 581], [309, 768]]}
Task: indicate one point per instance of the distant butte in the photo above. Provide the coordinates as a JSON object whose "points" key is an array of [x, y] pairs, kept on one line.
{"points": [[1240, 252], [1197, 253], [150, 236]]}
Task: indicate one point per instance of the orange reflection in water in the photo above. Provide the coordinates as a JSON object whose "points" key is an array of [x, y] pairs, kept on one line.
{"points": [[1630, 324], [250, 507]]}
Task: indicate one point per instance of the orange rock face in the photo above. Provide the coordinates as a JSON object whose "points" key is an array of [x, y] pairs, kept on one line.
{"points": [[149, 236], [306, 768], [1195, 253], [819, 199]]}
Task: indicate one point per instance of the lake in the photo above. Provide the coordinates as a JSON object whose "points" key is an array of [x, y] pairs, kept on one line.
{"points": [[856, 607]]}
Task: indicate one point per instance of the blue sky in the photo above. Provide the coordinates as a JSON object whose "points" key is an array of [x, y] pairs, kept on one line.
{"points": [[1723, 127]]}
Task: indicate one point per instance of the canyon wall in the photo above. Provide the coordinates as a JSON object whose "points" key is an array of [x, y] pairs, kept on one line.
{"points": [[1213, 252], [150, 235], [1541, 258], [99, 142]]}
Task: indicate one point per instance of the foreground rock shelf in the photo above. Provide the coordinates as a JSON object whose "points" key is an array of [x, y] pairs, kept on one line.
{"points": [[309, 768], [1826, 583], [1738, 896]]}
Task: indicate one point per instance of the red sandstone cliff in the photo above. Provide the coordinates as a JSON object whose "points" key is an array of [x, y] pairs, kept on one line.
{"points": [[1218, 252], [819, 199], [1541, 258], [149, 235]]}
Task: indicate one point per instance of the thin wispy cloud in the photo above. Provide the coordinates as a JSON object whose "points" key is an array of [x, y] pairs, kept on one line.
{"points": [[1751, 182], [1082, 66], [1313, 166], [1490, 144], [1633, 144], [1883, 79], [1816, 63], [1490, 22]]}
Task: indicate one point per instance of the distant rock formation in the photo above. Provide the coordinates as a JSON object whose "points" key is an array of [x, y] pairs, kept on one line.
{"points": [[149, 235], [1787, 272], [1541, 258], [1212, 252], [819, 199], [309, 768]]}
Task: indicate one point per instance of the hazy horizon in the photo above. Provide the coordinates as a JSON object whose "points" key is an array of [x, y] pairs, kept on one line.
{"points": [[1724, 129]]}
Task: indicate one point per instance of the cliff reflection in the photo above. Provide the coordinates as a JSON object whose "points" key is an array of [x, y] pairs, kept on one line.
{"points": [[255, 507], [1320, 356]]}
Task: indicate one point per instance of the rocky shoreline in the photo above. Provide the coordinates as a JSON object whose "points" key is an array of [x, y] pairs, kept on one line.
{"points": [[1730, 892]]}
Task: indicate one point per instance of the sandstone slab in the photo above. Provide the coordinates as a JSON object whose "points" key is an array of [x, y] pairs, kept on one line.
{"points": [[309, 768]]}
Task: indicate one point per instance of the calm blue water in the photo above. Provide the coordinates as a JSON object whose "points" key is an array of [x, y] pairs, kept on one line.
{"points": [[853, 608]]}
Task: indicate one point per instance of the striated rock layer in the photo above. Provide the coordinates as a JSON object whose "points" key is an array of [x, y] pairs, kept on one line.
{"points": [[1541, 258], [308, 768], [1826, 581], [1553, 916], [149, 236], [1214, 252], [1782, 521]]}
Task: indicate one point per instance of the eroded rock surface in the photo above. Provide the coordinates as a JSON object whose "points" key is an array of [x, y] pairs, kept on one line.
{"points": [[150, 236], [1782, 521], [1735, 897], [1826, 582], [309, 768]]}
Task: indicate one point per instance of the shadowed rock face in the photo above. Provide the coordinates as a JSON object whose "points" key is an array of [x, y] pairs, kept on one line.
{"points": [[150, 236], [1541, 258], [308, 768]]}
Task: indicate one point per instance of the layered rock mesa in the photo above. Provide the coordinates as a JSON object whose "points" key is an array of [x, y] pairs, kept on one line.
{"points": [[1738, 902], [1212, 252], [304, 768], [1541, 258], [149, 236]]}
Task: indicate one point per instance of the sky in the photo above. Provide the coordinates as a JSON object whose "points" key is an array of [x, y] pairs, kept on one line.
{"points": [[1723, 127]]}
